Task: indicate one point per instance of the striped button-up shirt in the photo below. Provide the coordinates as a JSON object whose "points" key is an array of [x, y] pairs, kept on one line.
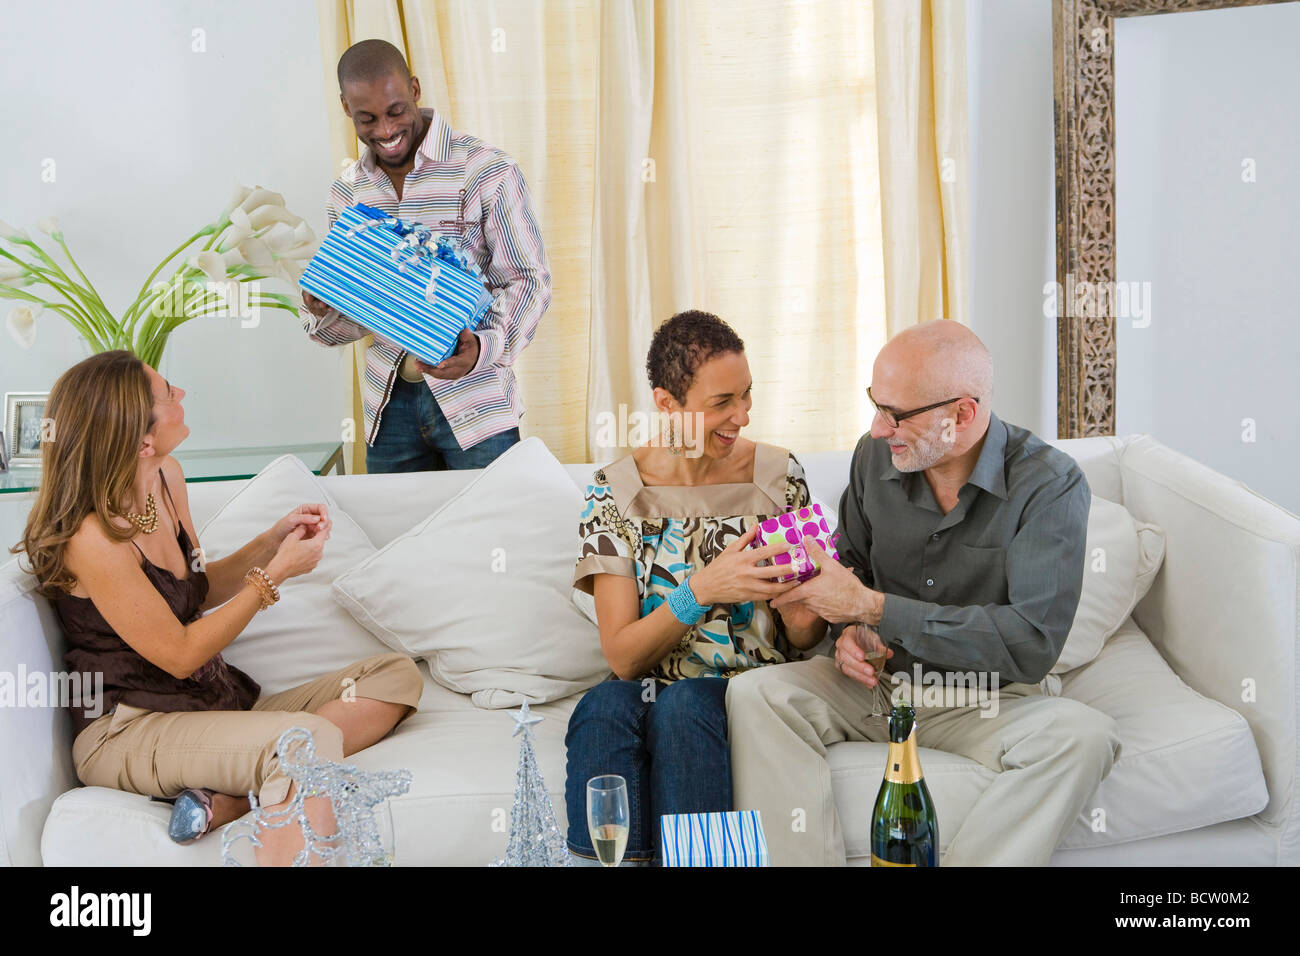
{"points": [[501, 236]]}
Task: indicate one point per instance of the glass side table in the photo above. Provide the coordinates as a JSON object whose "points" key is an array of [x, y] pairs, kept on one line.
{"points": [[209, 464]]}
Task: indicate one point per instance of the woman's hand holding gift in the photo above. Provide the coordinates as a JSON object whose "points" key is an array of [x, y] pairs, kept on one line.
{"points": [[735, 576]]}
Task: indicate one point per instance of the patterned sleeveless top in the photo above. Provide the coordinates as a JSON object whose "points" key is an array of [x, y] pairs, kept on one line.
{"points": [[93, 646]]}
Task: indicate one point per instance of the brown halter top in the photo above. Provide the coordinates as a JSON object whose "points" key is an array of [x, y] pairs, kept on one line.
{"points": [[93, 646]]}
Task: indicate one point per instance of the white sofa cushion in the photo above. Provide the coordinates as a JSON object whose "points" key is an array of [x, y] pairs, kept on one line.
{"points": [[1187, 761], [480, 589], [35, 742], [305, 634], [1122, 558], [457, 812]]}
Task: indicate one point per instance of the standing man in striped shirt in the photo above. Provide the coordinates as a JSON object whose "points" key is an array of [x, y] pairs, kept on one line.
{"points": [[464, 411]]}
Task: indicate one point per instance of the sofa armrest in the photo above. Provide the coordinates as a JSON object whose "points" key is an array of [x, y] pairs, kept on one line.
{"points": [[1223, 609]]}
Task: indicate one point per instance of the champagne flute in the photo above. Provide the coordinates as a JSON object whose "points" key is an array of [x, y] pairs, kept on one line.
{"points": [[608, 817], [876, 658]]}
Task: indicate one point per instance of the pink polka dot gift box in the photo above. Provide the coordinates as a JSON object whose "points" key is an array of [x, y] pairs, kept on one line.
{"points": [[792, 527]]}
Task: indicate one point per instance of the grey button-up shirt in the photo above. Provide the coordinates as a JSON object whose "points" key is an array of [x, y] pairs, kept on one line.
{"points": [[990, 586]]}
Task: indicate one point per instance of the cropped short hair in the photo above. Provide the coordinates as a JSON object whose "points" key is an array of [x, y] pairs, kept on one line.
{"points": [[684, 343]]}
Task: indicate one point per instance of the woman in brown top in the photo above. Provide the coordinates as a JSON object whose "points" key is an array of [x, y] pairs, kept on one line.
{"points": [[112, 544]]}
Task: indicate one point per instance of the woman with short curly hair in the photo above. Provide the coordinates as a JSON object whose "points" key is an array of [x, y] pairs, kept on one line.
{"points": [[681, 598]]}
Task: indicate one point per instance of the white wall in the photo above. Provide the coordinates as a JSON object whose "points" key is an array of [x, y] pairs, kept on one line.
{"points": [[1197, 95], [147, 136], [1012, 243]]}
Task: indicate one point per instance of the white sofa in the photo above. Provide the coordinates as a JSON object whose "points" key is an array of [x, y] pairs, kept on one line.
{"points": [[1201, 680]]}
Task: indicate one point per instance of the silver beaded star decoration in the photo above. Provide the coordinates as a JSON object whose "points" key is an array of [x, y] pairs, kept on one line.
{"points": [[535, 838], [354, 794]]}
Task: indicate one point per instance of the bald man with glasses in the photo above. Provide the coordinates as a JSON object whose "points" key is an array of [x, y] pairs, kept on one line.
{"points": [[962, 555]]}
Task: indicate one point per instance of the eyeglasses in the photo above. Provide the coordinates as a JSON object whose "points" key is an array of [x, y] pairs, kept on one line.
{"points": [[892, 418]]}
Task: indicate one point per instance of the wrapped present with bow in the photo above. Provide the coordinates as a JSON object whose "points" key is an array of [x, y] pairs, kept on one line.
{"points": [[734, 838], [791, 528], [398, 280]]}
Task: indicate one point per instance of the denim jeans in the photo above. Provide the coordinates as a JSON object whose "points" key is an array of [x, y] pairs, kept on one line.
{"points": [[672, 752], [414, 436]]}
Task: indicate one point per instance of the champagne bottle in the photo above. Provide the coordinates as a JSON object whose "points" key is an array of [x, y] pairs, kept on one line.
{"points": [[904, 828]]}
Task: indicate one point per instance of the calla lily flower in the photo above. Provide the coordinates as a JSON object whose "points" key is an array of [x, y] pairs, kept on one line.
{"points": [[279, 237], [303, 251], [211, 264], [239, 230], [257, 254], [22, 324], [270, 213], [9, 232], [237, 196], [217, 265], [254, 238], [261, 197]]}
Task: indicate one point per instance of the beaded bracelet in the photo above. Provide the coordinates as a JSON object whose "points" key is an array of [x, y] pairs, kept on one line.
{"points": [[682, 603], [275, 590], [259, 586], [267, 591]]}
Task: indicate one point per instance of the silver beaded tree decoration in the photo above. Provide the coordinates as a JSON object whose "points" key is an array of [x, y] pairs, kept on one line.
{"points": [[535, 838], [354, 794]]}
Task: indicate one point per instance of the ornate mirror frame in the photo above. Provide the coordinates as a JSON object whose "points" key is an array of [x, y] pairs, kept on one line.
{"points": [[1083, 81]]}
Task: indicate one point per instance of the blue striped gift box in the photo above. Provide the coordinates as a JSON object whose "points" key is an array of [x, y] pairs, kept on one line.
{"points": [[356, 272], [713, 839]]}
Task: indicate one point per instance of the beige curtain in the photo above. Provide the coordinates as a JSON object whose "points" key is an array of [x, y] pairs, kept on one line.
{"points": [[712, 155], [921, 117]]}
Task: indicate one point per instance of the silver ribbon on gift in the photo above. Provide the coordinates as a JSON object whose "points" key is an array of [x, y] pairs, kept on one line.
{"points": [[420, 242]]}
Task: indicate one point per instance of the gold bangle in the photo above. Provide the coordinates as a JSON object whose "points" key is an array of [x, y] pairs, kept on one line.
{"points": [[269, 583], [275, 590], [263, 599], [267, 593]]}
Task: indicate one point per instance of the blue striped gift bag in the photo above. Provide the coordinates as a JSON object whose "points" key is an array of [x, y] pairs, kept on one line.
{"points": [[398, 280], [713, 839]]}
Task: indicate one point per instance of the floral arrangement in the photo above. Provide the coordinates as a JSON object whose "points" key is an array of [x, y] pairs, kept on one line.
{"points": [[255, 237]]}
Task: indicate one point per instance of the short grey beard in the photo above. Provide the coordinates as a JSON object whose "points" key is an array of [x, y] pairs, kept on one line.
{"points": [[927, 451]]}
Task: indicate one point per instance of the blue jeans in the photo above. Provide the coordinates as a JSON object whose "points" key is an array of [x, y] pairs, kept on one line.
{"points": [[414, 436], [672, 752]]}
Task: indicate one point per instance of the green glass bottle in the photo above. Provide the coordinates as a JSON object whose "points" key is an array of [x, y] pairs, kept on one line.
{"points": [[904, 828]]}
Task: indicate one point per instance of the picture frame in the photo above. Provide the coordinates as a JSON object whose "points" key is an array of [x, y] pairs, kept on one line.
{"points": [[1083, 86], [23, 423]]}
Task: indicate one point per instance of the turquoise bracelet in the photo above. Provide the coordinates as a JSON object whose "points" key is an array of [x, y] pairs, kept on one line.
{"points": [[681, 601]]}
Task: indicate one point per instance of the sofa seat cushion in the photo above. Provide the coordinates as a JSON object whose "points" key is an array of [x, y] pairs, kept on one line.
{"points": [[1186, 761], [438, 699], [462, 760], [98, 826]]}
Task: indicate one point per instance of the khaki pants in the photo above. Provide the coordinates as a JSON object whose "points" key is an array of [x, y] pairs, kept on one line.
{"points": [[232, 752], [1050, 754]]}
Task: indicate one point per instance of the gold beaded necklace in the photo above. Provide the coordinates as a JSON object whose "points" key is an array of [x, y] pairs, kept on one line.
{"points": [[147, 522]]}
